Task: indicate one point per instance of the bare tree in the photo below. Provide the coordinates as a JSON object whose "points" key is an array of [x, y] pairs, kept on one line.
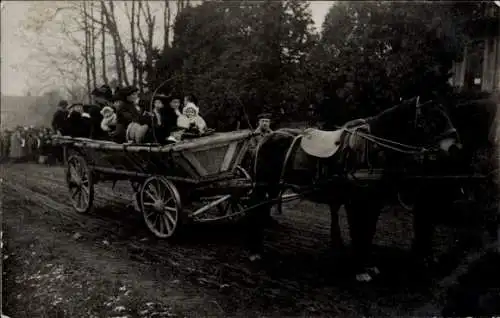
{"points": [[93, 67], [133, 54], [103, 46], [87, 46], [146, 39], [167, 15]]}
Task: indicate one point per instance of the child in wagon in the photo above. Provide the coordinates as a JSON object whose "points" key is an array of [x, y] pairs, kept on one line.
{"points": [[108, 122], [190, 118]]}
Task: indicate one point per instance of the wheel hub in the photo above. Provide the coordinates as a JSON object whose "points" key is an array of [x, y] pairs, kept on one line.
{"points": [[158, 205]]}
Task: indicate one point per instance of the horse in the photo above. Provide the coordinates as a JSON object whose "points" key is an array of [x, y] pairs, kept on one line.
{"points": [[326, 161]]}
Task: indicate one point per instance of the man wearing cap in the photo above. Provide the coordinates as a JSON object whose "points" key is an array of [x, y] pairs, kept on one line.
{"points": [[59, 118], [263, 129]]}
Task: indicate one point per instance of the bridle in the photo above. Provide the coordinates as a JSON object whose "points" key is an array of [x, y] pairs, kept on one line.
{"points": [[418, 122]]}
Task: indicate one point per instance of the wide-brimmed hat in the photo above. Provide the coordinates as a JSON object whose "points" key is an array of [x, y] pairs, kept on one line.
{"points": [[264, 116], [70, 107], [162, 97], [174, 95], [63, 103], [191, 98], [125, 92], [104, 92]]}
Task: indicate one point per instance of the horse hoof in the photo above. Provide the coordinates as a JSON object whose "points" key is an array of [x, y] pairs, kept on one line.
{"points": [[373, 270], [363, 278], [254, 257], [430, 262]]}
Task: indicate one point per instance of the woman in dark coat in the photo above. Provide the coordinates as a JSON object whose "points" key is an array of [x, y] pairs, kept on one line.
{"points": [[78, 122], [102, 97], [127, 112], [172, 112], [159, 130]]}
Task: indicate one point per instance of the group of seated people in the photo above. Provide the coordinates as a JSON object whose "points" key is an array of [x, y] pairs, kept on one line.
{"points": [[124, 118]]}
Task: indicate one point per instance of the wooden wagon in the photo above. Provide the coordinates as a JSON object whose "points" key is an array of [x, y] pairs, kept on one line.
{"points": [[199, 179]]}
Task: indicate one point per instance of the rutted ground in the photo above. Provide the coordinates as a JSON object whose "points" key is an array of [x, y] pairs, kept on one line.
{"points": [[61, 264]]}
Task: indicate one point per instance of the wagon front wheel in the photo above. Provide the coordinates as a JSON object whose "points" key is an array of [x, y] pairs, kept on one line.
{"points": [[80, 184], [161, 206]]}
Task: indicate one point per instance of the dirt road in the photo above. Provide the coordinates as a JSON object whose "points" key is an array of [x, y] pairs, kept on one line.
{"points": [[61, 264]]}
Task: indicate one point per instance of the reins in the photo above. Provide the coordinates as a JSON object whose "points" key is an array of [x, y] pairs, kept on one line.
{"points": [[398, 146], [387, 143]]}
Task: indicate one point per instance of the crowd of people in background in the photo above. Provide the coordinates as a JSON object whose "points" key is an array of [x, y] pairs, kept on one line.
{"points": [[27, 144]]}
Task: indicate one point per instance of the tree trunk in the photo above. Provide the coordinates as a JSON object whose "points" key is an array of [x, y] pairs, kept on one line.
{"points": [[134, 49], [119, 51], [103, 46], [166, 23], [92, 47], [87, 48], [147, 41]]}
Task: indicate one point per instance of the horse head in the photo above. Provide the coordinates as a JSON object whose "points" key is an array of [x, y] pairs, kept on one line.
{"points": [[421, 125]]}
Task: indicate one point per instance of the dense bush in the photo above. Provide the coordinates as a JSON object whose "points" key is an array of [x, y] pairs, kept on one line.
{"points": [[244, 57]]}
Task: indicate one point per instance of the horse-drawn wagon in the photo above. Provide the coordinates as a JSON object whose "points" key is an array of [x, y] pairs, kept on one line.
{"points": [[198, 179]]}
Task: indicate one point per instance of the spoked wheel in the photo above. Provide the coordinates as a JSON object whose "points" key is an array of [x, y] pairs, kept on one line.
{"points": [[160, 204], [80, 184]]}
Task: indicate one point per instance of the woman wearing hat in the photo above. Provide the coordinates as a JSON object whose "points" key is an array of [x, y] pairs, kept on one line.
{"points": [[131, 125], [172, 113], [102, 97], [78, 121], [159, 124]]}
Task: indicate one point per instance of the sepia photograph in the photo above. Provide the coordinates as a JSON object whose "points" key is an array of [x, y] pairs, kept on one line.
{"points": [[249, 158]]}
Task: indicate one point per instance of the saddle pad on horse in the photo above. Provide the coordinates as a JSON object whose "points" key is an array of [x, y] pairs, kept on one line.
{"points": [[321, 143]]}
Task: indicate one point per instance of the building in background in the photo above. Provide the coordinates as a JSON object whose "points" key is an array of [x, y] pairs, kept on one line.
{"points": [[479, 69]]}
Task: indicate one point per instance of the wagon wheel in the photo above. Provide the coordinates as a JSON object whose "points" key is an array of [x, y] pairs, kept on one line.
{"points": [[161, 206], [80, 184], [234, 210]]}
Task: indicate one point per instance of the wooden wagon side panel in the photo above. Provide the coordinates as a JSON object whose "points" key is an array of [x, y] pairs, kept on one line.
{"points": [[219, 159], [208, 157]]}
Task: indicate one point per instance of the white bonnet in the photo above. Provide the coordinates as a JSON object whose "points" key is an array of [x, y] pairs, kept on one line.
{"points": [[107, 109], [191, 106]]}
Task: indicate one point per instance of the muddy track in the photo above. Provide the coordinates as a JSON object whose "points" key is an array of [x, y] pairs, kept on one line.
{"points": [[299, 273]]}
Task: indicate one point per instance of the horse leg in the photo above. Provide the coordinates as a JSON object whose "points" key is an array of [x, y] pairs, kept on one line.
{"points": [[256, 224], [423, 232], [362, 226], [336, 241]]}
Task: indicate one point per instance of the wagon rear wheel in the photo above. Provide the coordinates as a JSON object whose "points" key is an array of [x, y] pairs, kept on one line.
{"points": [[161, 206], [80, 184]]}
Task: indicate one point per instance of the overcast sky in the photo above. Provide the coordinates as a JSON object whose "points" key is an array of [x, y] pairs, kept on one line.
{"points": [[13, 53]]}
